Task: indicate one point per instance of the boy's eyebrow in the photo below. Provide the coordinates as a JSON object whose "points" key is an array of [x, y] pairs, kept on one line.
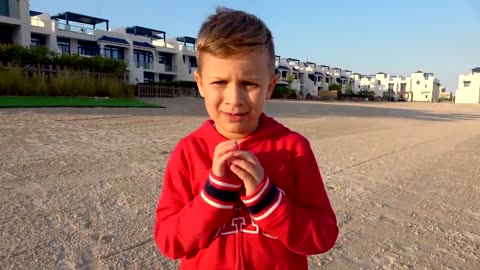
{"points": [[253, 78]]}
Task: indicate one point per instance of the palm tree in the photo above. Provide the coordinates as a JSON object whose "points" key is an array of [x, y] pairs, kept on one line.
{"points": [[290, 79]]}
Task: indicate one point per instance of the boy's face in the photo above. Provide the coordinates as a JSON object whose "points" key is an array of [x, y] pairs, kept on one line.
{"points": [[235, 90]]}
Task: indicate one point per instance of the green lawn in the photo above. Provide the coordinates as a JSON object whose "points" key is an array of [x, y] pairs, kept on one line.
{"points": [[46, 101]]}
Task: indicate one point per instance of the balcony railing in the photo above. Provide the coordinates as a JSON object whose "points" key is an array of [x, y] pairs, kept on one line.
{"points": [[186, 48], [145, 65], [163, 43], [170, 68], [75, 28], [37, 22]]}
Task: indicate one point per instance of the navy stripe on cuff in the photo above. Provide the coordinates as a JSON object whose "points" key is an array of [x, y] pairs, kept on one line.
{"points": [[266, 201], [220, 194]]}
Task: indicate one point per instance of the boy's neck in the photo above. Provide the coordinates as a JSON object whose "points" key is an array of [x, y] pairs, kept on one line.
{"points": [[238, 136]]}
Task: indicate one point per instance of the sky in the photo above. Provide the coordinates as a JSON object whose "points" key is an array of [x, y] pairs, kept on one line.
{"points": [[370, 36]]}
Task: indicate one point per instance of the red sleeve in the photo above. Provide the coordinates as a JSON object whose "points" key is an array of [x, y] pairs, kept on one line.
{"points": [[305, 223], [186, 223]]}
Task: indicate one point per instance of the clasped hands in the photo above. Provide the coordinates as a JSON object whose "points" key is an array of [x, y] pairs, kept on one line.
{"points": [[244, 164]]}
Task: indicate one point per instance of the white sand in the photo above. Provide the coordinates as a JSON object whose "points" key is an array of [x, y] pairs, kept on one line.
{"points": [[79, 187]]}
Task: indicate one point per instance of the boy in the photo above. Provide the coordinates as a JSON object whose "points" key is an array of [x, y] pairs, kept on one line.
{"points": [[242, 191]]}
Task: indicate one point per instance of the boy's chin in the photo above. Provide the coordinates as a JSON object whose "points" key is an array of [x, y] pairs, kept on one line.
{"points": [[237, 129]]}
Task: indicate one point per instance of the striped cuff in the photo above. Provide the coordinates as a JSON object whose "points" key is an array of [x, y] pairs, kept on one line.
{"points": [[263, 201], [221, 193]]}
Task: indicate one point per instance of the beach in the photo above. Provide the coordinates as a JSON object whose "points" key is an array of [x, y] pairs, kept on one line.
{"points": [[79, 186]]}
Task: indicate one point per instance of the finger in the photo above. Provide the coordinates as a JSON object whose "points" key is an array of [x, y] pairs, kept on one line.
{"points": [[248, 167], [242, 174], [225, 147], [246, 155], [221, 161]]}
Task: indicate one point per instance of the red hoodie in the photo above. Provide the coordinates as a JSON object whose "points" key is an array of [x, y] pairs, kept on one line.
{"points": [[205, 221]]}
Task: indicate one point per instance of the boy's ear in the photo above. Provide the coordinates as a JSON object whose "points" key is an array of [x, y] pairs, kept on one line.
{"points": [[198, 79], [271, 85]]}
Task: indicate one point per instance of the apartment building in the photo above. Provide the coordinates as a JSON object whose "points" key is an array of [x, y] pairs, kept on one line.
{"points": [[419, 86], [308, 78], [149, 55], [468, 90], [14, 22]]}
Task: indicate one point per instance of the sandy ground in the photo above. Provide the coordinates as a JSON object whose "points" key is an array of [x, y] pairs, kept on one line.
{"points": [[78, 187]]}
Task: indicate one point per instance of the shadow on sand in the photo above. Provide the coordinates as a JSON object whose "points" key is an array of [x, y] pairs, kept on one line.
{"points": [[279, 108]]}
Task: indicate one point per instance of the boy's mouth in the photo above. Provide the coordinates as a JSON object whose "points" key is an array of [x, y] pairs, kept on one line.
{"points": [[235, 117]]}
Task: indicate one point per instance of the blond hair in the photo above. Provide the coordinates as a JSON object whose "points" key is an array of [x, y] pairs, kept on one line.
{"points": [[231, 32]]}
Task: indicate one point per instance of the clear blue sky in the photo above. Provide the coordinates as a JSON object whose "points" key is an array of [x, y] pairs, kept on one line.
{"points": [[397, 37]]}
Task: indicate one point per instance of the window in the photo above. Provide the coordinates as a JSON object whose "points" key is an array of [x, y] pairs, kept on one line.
{"points": [[37, 40], [88, 48], [4, 9], [114, 52], [466, 83], [284, 74], [161, 59], [418, 82], [143, 58], [148, 77], [425, 85], [192, 62], [403, 87], [64, 45]]}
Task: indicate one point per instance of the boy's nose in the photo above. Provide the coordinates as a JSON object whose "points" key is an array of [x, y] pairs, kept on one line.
{"points": [[234, 95]]}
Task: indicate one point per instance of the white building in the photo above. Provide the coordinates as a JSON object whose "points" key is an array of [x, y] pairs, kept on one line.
{"points": [[310, 78], [14, 22], [151, 57], [419, 86], [147, 53], [424, 87], [469, 87]]}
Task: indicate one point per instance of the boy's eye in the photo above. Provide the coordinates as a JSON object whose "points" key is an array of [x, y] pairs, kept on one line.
{"points": [[219, 82], [250, 84]]}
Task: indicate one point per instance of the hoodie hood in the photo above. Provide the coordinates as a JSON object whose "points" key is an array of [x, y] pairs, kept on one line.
{"points": [[268, 128]]}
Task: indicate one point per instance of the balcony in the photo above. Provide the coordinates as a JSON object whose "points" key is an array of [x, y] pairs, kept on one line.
{"points": [[83, 24], [144, 65], [75, 28], [170, 68], [186, 48], [37, 22], [163, 43]]}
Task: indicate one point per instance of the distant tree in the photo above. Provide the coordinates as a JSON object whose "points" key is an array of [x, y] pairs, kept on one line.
{"points": [[290, 79], [335, 87]]}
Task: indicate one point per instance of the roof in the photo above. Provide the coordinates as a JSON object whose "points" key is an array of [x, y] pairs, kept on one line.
{"points": [[75, 17], [35, 13], [143, 31], [319, 73], [143, 44], [477, 69], [189, 40], [113, 39], [283, 67]]}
